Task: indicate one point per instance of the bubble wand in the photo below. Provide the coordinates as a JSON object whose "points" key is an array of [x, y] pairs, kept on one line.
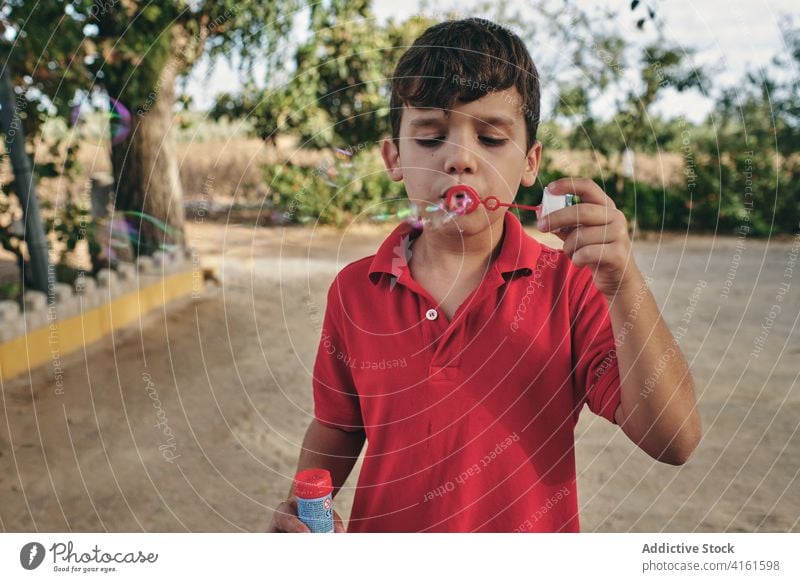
{"points": [[462, 199]]}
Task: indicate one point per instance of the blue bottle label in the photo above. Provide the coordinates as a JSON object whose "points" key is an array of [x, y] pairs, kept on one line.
{"points": [[317, 514]]}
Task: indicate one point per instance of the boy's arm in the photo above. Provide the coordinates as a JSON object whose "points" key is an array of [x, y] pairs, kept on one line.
{"points": [[323, 448], [658, 410]]}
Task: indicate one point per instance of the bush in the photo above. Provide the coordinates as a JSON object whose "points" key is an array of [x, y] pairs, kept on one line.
{"points": [[340, 189]]}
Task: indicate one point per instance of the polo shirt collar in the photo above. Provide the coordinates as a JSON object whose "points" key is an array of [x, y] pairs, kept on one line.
{"points": [[518, 253]]}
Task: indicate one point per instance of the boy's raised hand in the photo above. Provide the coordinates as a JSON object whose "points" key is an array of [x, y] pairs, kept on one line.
{"points": [[595, 234]]}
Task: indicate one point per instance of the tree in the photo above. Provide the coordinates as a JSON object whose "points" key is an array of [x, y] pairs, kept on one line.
{"points": [[134, 51], [337, 91], [747, 155], [632, 125]]}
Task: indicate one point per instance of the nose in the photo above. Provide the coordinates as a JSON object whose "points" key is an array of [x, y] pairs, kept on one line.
{"points": [[459, 159]]}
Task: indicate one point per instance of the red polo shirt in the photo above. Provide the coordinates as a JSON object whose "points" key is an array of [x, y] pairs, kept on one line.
{"points": [[469, 423]]}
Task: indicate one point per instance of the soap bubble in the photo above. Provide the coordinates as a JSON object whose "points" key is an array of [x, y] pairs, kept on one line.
{"points": [[98, 119]]}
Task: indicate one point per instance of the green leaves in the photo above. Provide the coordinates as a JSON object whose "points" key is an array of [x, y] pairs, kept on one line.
{"points": [[337, 190], [338, 91], [58, 49]]}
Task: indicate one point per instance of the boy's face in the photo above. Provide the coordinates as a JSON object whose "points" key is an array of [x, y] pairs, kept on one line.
{"points": [[481, 143]]}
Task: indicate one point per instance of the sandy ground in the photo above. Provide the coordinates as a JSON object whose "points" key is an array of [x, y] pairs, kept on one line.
{"points": [[231, 373]]}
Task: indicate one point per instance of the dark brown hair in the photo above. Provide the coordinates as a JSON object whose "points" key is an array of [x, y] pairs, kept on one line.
{"points": [[464, 60]]}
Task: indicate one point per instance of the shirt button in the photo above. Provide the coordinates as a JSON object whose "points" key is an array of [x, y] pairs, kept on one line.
{"points": [[431, 314]]}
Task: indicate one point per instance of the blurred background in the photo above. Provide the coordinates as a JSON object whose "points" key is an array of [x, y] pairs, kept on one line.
{"points": [[244, 135]]}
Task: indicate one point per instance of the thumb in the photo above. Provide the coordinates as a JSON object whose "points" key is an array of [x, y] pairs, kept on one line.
{"points": [[338, 526]]}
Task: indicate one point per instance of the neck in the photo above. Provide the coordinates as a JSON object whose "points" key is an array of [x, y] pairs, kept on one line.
{"points": [[458, 253]]}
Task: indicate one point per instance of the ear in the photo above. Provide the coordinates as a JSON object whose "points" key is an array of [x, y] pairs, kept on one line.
{"points": [[391, 159], [532, 161]]}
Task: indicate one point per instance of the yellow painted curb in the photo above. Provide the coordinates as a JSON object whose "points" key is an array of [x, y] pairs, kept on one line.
{"points": [[59, 338]]}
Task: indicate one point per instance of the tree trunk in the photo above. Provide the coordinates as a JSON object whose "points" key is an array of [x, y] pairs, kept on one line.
{"points": [[146, 168]]}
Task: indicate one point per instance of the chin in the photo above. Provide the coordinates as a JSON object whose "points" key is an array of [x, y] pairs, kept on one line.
{"points": [[469, 225]]}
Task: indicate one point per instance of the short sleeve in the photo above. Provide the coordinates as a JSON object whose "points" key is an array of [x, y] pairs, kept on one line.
{"points": [[336, 402], [595, 380]]}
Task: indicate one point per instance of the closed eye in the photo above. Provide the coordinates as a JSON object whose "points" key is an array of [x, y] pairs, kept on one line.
{"points": [[492, 141], [489, 141], [429, 143]]}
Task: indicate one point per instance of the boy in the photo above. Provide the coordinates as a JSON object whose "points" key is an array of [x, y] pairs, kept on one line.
{"points": [[464, 352]]}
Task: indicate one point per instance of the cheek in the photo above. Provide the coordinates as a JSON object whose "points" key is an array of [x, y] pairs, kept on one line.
{"points": [[505, 172], [422, 159], [417, 179], [413, 151], [419, 166]]}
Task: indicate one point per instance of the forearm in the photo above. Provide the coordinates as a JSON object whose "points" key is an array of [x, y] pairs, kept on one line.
{"points": [[658, 410], [332, 449]]}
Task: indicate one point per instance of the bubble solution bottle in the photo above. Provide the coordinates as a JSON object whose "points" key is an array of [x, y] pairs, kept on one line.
{"points": [[313, 489]]}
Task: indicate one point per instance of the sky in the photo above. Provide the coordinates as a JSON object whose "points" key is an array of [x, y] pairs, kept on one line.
{"points": [[732, 37]]}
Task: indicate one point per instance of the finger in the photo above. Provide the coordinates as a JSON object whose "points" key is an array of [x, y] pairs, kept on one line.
{"points": [[286, 519], [589, 235], [338, 525], [587, 189], [580, 215], [292, 524], [598, 255]]}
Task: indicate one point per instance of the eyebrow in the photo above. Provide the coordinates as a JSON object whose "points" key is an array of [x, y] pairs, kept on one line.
{"points": [[497, 121], [426, 121]]}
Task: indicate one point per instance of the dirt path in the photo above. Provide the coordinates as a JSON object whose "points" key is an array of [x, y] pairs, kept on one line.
{"points": [[192, 420]]}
